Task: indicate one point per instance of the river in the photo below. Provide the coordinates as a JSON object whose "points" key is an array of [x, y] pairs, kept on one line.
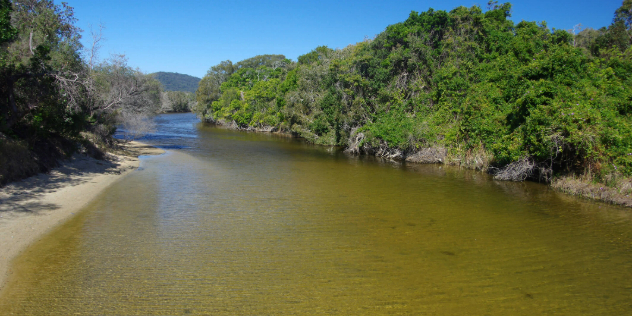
{"points": [[237, 223]]}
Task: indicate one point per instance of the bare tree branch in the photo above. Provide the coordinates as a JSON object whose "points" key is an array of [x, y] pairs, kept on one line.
{"points": [[97, 38]]}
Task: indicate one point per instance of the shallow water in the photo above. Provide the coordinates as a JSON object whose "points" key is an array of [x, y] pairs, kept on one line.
{"points": [[233, 223]]}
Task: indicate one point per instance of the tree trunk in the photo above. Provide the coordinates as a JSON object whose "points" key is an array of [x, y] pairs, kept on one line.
{"points": [[31, 42]]}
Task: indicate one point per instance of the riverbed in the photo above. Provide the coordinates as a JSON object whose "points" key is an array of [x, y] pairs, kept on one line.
{"points": [[238, 223]]}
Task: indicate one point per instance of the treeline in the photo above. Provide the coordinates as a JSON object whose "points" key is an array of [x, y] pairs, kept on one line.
{"points": [[464, 87], [55, 97]]}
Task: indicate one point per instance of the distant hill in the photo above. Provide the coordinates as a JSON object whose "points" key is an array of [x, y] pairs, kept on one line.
{"points": [[173, 81]]}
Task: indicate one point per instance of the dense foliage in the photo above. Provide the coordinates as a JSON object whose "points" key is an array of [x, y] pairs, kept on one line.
{"points": [[485, 91], [49, 95], [173, 81]]}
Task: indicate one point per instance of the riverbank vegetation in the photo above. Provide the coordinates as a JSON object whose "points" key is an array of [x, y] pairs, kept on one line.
{"points": [[56, 98], [177, 101], [467, 87]]}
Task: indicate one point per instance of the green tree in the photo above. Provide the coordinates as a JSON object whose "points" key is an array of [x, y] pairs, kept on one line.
{"points": [[624, 14], [177, 101], [260, 60], [618, 35], [209, 87], [315, 55], [7, 31], [40, 69]]}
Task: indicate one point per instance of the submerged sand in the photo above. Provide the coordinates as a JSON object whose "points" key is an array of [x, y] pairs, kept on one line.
{"points": [[34, 206]]}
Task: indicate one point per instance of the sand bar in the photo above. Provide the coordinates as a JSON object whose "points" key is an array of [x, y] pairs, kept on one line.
{"points": [[30, 208]]}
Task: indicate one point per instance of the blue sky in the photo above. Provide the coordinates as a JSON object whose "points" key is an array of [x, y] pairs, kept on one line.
{"points": [[191, 36]]}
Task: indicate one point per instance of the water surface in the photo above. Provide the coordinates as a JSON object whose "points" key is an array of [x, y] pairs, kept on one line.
{"points": [[234, 223]]}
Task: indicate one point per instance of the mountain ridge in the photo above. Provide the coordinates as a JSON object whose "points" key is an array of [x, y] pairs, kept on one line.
{"points": [[173, 81]]}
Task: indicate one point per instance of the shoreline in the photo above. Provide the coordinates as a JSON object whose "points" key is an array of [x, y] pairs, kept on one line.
{"points": [[579, 187], [32, 207], [583, 188]]}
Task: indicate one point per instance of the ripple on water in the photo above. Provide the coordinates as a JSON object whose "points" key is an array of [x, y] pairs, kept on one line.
{"points": [[247, 224]]}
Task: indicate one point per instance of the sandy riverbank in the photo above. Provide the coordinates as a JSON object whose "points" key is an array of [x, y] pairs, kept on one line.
{"points": [[32, 207]]}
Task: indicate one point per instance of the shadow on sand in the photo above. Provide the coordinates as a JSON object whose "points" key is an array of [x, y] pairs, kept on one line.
{"points": [[25, 196]]}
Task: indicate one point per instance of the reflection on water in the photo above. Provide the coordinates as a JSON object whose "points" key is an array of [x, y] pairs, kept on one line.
{"points": [[247, 224]]}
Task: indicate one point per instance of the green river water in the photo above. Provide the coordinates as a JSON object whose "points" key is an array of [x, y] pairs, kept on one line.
{"points": [[234, 223]]}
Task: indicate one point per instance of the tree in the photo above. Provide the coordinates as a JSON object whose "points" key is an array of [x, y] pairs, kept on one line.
{"points": [[618, 35], [49, 94], [624, 14], [258, 61], [7, 31], [177, 101], [586, 38], [209, 87], [315, 55], [41, 69], [136, 125], [120, 88], [41, 22], [93, 52]]}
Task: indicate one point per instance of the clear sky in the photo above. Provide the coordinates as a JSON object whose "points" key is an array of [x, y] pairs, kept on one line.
{"points": [[190, 36]]}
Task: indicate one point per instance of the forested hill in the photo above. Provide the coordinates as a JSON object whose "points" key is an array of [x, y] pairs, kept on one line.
{"points": [[467, 87], [173, 81]]}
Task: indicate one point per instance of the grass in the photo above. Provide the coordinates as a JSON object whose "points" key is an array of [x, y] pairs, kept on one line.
{"points": [[615, 190]]}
